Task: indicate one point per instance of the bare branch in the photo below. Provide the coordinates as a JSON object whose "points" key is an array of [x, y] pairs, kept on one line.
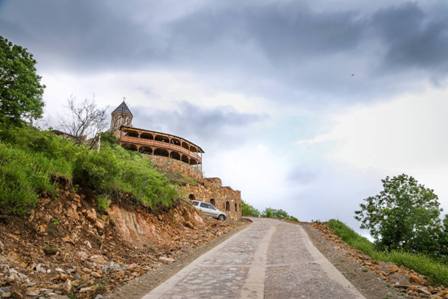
{"points": [[85, 119]]}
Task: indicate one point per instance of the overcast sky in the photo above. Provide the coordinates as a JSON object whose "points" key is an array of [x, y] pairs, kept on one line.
{"points": [[302, 105]]}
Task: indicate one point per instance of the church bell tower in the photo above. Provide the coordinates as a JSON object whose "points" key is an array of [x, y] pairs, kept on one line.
{"points": [[121, 116]]}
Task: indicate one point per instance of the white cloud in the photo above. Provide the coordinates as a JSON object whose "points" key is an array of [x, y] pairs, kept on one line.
{"points": [[255, 169], [156, 89], [406, 134]]}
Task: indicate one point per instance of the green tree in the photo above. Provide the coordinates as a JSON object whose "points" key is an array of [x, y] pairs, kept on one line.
{"points": [[404, 215], [248, 210], [443, 240], [20, 88], [278, 213]]}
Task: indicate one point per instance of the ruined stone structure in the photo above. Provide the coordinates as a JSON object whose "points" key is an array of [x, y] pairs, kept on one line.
{"points": [[174, 154], [223, 197]]}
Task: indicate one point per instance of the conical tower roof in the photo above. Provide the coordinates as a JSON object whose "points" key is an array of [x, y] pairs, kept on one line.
{"points": [[122, 108]]}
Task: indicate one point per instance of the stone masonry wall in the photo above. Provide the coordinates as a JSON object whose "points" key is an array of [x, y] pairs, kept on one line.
{"points": [[176, 166], [224, 198], [206, 189]]}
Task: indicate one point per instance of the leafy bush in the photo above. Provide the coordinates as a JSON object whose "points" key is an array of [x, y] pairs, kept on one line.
{"points": [[435, 270], [23, 175], [278, 214], [17, 191], [137, 177], [97, 171], [30, 160], [109, 139], [248, 210], [102, 203]]}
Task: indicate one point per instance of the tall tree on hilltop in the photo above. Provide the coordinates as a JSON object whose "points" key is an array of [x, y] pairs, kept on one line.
{"points": [[20, 88]]}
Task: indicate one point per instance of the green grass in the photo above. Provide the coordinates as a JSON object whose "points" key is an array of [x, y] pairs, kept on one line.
{"points": [[31, 161], [436, 271], [102, 203]]}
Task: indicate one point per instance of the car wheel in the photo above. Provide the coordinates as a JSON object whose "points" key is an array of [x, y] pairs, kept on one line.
{"points": [[221, 217]]}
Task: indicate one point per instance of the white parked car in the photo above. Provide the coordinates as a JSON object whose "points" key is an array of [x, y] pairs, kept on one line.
{"points": [[209, 209]]}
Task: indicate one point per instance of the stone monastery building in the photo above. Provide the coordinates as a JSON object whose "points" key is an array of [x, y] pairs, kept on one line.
{"points": [[175, 154]]}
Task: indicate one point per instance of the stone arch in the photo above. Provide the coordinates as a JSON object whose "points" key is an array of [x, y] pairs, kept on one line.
{"points": [[146, 136], [193, 149], [227, 206], [191, 197], [131, 133], [175, 155], [185, 159], [212, 201], [175, 141], [193, 161], [185, 145], [162, 138], [130, 146], [145, 150], [161, 152], [236, 207]]}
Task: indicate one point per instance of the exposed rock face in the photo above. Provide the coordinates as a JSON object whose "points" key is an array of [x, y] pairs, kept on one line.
{"points": [[132, 227], [66, 247], [140, 228]]}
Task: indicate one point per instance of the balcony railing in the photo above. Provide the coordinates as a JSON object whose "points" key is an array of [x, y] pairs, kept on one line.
{"points": [[160, 144]]}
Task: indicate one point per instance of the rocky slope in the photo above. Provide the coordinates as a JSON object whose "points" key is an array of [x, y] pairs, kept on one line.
{"points": [[66, 249], [406, 282]]}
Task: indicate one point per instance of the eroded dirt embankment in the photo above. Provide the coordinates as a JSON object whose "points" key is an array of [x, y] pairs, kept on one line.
{"points": [[66, 248]]}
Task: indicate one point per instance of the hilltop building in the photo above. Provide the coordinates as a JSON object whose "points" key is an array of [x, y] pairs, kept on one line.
{"points": [[175, 154]]}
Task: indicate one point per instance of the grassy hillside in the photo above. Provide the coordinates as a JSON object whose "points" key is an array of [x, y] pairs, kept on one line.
{"points": [[32, 162], [435, 270]]}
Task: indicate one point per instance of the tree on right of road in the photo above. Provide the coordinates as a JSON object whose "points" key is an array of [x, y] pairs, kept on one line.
{"points": [[20, 88], [404, 215]]}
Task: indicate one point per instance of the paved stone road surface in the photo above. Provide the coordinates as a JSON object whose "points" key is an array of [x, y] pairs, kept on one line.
{"points": [[269, 259]]}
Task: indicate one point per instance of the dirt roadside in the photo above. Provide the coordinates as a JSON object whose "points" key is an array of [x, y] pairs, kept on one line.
{"points": [[365, 280]]}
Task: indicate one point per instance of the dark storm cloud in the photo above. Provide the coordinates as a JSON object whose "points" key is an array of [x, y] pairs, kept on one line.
{"points": [[282, 50], [413, 38], [209, 125], [77, 34], [339, 53], [282, 32]]}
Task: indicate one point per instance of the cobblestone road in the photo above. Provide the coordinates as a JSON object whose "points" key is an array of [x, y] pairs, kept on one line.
{"points": [[269, 259]]}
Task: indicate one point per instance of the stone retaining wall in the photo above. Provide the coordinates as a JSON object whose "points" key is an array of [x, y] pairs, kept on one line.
{"points": [[224, 198], [176, 166], [205, 189]]}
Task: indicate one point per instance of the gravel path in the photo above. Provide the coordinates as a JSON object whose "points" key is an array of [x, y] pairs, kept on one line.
{"points": [[268, 259]]}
